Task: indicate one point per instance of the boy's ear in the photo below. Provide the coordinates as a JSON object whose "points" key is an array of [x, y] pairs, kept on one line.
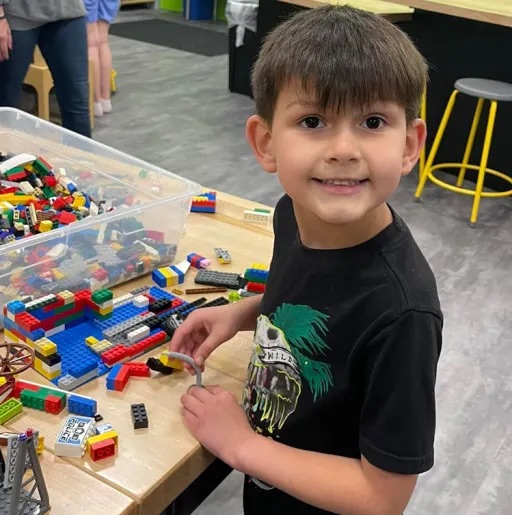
{"points": [[259, 136], [415, 140]]}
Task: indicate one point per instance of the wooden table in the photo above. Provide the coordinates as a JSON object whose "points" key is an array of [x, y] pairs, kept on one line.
{"points": [[498, 12], [154, 466], [392, 11], [73, 492]]}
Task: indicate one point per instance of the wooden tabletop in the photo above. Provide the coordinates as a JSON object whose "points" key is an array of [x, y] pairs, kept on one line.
{"points": [[73, 492], [498, 12], [154, 466], [393, 11]]}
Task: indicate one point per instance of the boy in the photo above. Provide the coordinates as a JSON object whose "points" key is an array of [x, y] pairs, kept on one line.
{"points": [[339, 400]]}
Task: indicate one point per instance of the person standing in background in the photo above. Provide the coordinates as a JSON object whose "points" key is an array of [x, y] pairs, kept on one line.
{"points": [[58, 27], [100, 15]]}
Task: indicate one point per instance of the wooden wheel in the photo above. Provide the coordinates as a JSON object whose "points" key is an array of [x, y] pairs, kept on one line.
{"points": [[15, 358]]}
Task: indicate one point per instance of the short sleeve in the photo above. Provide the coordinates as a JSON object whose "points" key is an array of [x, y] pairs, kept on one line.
{"points": [[398, 417]]}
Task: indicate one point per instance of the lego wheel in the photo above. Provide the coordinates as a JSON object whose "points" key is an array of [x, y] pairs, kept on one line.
{"points": [[15, 358]]}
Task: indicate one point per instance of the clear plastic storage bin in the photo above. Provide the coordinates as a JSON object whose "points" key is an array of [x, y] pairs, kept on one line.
{"points": [[145, 214]]}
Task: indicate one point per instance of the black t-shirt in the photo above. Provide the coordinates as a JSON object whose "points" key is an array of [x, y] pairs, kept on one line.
{"points": [[345, 355]]}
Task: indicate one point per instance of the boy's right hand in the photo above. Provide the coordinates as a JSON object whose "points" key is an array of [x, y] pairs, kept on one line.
{"points": [[203, 331]]}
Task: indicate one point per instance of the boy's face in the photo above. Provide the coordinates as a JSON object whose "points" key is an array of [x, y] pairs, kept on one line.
{"points": [[338, 169]]}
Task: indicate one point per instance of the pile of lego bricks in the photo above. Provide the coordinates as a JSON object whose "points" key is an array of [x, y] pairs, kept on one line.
{"points": [[36, 197], [77, 337]]}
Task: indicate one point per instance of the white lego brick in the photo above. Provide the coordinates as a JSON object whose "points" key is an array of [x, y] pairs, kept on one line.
{"points": [[68, 382], [122, 300], [55, 330], [34, 302], [57, 251], [72, 439], [138, 334], [18, 160], [256, 216], [140, 301], [26, 187]]}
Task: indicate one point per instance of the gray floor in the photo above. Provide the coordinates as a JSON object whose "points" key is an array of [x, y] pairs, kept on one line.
{"points": [[174, 110]]}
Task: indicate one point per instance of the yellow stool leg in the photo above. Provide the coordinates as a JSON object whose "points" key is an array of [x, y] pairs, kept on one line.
{"points": [[471, 140], [483, 162], [435, 145], [113, 81], [423, 116]]}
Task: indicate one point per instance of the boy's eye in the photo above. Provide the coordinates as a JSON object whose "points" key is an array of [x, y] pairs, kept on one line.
{"points": [[311, 122], [374, 122]]}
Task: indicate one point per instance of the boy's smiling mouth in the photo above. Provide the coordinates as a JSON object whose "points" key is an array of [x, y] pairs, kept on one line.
{"points": [[341, 186], [341, 182]]}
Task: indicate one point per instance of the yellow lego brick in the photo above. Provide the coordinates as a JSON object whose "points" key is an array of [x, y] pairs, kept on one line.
{"points": [[259, 266], [68, 296], [45, 346], [40, 367], [106, 311], [58, 275], [103, 436], [166, 272], [171, 362], [40, 444], [16, 199], [3, 380], [10, 337], [91, 340], [79, 202], [101, 346], [45, 226]]}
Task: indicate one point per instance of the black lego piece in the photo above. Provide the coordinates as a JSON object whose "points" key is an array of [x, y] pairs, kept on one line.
{"points": [[139, 416], [156, 365]]}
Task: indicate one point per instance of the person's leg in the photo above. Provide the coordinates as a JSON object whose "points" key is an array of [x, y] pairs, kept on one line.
{"points": [[13, 71], [92, 8], [105, 65], [94, 55], [64, 46], [107, 11]]}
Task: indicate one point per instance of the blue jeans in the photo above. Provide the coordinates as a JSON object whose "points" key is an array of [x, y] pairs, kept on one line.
{"points": [[64, 48]]}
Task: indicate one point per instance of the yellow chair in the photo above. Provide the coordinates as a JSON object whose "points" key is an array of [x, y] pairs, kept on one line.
{"points": [[483, 89], [39, 77]]}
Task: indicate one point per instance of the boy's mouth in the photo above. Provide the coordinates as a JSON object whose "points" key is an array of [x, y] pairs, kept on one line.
{"points": [[341, 182]]}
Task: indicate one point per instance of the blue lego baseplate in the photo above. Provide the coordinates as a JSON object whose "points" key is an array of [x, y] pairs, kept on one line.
{"points": [[76, 354]]}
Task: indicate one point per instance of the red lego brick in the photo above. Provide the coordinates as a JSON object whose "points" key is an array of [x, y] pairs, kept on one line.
{"points": [[21, 385], [138, 369], [54, 405], [27, 322], [122, 378], [67, 218], [117, 353], [255, 287], [103, 449]]}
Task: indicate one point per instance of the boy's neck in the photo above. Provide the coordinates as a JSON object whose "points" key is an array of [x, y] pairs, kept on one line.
{"points": [[317, 234]]}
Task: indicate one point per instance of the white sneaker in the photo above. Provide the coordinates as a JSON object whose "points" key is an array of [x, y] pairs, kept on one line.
{"points": [[98, 109], [107, 106]]}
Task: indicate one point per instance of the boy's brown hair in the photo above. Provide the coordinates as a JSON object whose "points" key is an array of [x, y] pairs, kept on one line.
{"points": [[346, 58]]}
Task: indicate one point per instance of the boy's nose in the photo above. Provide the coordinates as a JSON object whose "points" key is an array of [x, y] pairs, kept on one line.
{"points": [[343, 148]]}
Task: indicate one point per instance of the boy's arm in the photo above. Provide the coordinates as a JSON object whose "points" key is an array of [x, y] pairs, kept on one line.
{"points": [[397, 427], [333, 483], [249, 309]]}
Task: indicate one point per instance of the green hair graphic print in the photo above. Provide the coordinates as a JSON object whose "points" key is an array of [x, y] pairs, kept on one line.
{"points": [[287, 351]]}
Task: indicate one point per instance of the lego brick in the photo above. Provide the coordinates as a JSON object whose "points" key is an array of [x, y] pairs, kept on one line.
{"points": [[9, 409], [81, 406], [223, 256], [105, 434], [139, 416], [102, 450], [71, 442]]}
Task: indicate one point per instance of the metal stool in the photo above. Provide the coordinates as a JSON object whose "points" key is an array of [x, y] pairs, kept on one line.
{"points": [[482, 89]]}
